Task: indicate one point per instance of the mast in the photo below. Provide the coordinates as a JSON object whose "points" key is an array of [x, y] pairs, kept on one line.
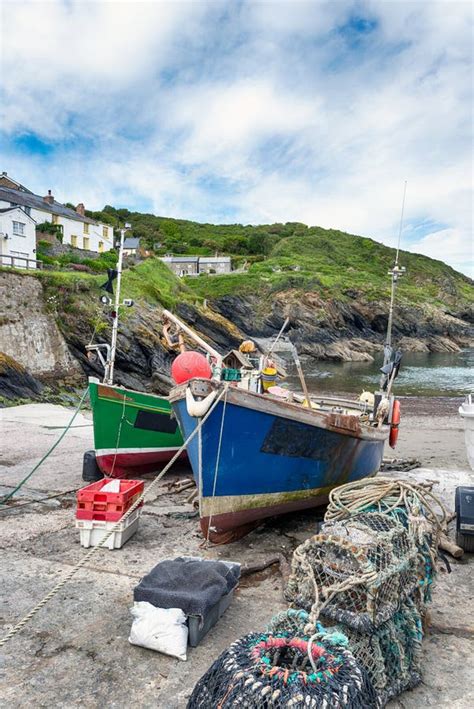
{"points": [[109, 371], [396, 272]]}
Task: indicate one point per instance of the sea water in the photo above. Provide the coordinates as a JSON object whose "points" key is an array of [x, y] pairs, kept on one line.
{"points": [[437, 374]]}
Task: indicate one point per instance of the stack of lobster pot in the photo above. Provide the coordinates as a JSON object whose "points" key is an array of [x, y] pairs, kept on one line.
{"points": [[358, 592], [361, 577]]}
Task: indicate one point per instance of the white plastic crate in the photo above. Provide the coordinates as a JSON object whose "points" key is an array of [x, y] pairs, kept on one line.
{"points": [[93, 531]]}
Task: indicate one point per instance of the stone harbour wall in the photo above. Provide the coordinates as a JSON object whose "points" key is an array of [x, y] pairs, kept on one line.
{"points": [[28, 333]]}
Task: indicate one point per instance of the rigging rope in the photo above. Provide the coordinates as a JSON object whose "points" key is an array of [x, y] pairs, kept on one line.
{"points": [[218, 457], [16, 629], [46, 455]]}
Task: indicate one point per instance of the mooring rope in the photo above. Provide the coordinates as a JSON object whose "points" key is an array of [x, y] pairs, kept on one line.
{"points": [[40, 500], [119, 433], [361, 494], [21, 624], [46, 455], [218, 458]]}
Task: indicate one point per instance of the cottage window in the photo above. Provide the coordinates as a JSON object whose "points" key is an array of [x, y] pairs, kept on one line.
{"points": [[74, 240], [86, 242], [105, 232], [19, 228], [55, 219], [86, 229], [101, 247]]}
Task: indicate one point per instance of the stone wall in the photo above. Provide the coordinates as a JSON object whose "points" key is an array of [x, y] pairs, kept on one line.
{"points": [[58, 249], [28, 333]]}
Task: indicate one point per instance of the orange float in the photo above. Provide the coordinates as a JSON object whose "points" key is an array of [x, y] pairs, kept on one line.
{"points": [[394, 424]]}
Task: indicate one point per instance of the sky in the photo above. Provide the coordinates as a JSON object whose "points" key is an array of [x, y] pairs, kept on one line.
{"points": [[252, 112]]}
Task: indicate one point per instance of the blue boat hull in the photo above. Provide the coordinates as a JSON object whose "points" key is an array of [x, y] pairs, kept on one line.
{"points": [[274, 458]]}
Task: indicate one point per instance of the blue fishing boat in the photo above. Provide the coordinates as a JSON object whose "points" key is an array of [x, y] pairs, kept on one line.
{"points": [[256, 455]]}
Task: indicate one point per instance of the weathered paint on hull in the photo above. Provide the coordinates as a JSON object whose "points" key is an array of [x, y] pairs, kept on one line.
{"points": [[274, 458], [133, 431]]}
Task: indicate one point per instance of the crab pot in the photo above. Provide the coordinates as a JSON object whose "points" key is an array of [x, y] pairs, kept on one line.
{"points": [[361, 567], [273, 671]]}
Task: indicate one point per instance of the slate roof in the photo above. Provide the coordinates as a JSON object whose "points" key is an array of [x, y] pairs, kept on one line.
{"points": [[131, 243], [214, 259], [180, 259], [24, 199], [12, 209]]}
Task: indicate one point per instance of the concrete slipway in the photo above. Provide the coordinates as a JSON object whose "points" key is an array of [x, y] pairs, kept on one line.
{"points": [[75, 652]]}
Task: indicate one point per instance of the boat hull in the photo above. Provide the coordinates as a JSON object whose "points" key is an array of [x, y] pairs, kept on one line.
{"points": [[133, 431], [274, 457]]}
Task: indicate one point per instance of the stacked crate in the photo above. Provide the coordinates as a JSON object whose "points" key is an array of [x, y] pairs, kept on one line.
{"points": [[99, 510]]}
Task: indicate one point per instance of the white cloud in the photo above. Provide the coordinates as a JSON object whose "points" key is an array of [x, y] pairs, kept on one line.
{"points": [[265, 111], [448, 245]]}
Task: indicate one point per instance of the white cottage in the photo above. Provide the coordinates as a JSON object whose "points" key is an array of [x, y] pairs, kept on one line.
{"points": [[17, 238], [78, 230]]}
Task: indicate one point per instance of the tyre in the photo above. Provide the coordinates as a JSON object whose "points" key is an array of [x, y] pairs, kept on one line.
{"points": [[91, 472]]}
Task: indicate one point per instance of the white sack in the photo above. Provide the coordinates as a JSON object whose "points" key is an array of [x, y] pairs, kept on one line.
{"points": [[160, 629]]}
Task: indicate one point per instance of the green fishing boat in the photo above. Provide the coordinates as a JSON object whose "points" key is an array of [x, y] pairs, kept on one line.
{"points": [[133, 431]]}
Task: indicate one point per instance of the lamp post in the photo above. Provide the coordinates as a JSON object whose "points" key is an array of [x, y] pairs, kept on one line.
{"points": [[113, 344]]}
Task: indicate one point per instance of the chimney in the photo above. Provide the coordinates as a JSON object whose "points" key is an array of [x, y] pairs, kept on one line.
{"points": [[80, 209], [49, 198]]}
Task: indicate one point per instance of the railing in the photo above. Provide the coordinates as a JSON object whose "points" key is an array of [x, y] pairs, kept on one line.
{"points": [[12, 262]]}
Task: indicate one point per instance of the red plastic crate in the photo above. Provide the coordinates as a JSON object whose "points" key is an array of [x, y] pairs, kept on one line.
{"points": [[103, 516], [91, 500]]}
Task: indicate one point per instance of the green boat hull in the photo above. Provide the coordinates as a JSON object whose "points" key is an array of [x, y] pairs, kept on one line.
{"points": [[133, 431]]}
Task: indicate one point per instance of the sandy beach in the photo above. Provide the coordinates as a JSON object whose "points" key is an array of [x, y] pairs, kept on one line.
{"points": [[431, 431]]}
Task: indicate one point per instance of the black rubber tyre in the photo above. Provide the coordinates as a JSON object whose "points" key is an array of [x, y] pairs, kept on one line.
{"points": [[91, 472], [465, 541]]}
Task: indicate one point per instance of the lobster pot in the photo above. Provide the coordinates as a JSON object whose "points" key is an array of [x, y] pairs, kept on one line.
{"points": [[389, 655], [273, 671], [425, 539], [355, 571], [415, 507]]}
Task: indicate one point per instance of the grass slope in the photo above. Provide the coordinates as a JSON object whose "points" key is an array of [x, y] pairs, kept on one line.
{"points": [[336, 264]]}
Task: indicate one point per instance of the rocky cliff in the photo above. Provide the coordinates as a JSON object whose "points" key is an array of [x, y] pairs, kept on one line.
{"points": [[32, 347], [45, 327]]}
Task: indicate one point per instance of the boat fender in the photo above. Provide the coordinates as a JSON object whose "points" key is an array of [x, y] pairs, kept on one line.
{"points": [[198, 408], [394, 424]]}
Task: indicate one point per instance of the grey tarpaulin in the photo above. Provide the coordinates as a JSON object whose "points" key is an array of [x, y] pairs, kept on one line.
{"points": [[192, 584]]}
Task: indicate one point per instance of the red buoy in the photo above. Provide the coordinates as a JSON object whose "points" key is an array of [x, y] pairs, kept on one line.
{"points": [[188, 365]]}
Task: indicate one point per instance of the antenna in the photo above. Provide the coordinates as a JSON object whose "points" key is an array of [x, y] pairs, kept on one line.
{"points": [[401, 223], [396, 272]]}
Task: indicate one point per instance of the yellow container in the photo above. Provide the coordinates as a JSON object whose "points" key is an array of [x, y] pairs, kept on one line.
{"points": [[269, 375]]}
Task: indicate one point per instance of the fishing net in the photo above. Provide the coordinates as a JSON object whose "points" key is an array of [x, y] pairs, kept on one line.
{"points": [[390, 655], [355, 571], [413, 505], [286, 669], [358, 590]]}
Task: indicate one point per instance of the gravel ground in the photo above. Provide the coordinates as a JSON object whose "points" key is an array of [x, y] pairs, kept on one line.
{"points": [[75, 652]]}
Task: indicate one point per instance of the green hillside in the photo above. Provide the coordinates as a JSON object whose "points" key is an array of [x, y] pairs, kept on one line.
{"points": [[342, 266], [181, 236], [279, 257]]}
